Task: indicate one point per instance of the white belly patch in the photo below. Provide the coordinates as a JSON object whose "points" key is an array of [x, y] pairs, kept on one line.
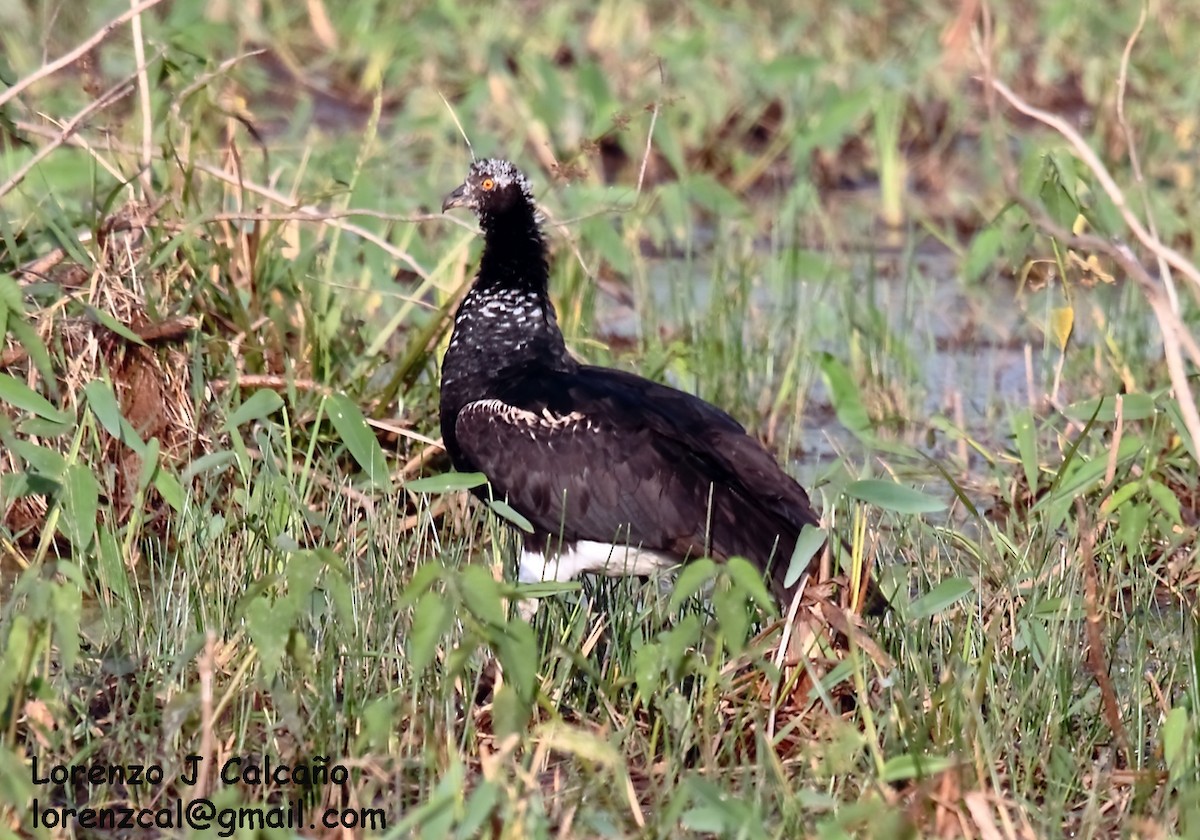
{"points": [[588, 556]]}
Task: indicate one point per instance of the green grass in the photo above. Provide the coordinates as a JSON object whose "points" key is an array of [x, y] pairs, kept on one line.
{"points": [[205, 548]]}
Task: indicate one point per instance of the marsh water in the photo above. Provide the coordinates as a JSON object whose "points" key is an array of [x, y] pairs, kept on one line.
{"points": [[965, 356]]}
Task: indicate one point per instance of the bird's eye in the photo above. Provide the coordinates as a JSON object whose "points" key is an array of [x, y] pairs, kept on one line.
{"points": [[487, 185]]}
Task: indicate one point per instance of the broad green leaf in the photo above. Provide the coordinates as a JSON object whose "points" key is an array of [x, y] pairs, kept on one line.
{"points": [[1025, 435], [716, 812], [839, 116], [1059, 609], [27, 336], [544, 589], [262, 403], [43, 428], [517, 651], [1132, 526], [694, 576], [255, 589], [1058, 202], [268, 633], [1123, 494], [940, 598], [149, 464], [481, 594], [422, 579], [337, 585], [377, 720], [668, 142], [647, 668], [430, 621], [113, 575], [1166, 499], [433, 818], [45, 462], [1087, 473], [359, 439], [1032, 170], [600, 233], [103, 404], [707, 192], [708, 819], [67, 598], [10, 301], [169, 488], [506, 511], [730, 606], [1031, 636], [1104, 409], [788, 68], [677, 642], [301, 572], [564, 738], [510, 714], [478, 810], [807, 545], [19, 395], [908, 766], [985, 247], [15, 657], [130, 436], [750, 580], [212, 461], [450, 482], [844, 394], [1175, 743], [80, 500], [891, 496]]}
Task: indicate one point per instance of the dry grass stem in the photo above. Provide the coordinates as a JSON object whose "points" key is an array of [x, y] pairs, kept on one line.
{"points": [[143, 84], [1172, 257], [1175, 335], [74, 55], [1135, 163], [64, 134]]}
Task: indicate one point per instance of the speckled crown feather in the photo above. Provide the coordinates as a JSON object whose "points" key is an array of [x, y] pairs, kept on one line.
{"points": [[504, 173]]}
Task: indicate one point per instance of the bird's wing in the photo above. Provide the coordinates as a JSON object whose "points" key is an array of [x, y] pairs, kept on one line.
{"points": [[602, 455], [730, 457], [577, 475]]}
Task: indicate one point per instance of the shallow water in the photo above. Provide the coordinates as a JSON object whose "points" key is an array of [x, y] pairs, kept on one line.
{"points": [[974, 353]]}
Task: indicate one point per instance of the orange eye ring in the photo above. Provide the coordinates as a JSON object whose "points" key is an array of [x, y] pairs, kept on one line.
{"points": [[487, 185]]}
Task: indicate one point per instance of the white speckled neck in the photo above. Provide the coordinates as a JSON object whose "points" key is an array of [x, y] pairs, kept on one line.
{"points": [[497, 330], [501, 321]]}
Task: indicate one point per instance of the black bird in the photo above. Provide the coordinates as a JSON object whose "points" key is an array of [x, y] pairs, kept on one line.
{"points": [[617, 474]]}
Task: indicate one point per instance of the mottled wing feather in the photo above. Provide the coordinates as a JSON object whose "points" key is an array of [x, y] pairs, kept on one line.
{"points": [[568, 475]]}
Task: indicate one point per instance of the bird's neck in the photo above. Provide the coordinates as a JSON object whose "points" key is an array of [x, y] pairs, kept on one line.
{"points": [[506, 322], [514, 253]]}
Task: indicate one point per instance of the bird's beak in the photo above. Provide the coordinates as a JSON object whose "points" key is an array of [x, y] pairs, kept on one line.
{"points": [[458, 198]]}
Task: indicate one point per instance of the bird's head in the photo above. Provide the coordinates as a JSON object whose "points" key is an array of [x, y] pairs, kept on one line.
{"points": [[492, 188]]}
